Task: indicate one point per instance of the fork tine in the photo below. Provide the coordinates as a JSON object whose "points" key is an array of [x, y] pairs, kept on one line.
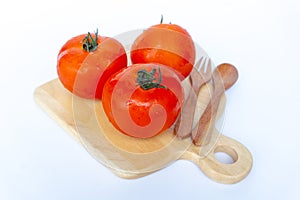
{"points": [[204, 67], [209, 66], [198, 64]]}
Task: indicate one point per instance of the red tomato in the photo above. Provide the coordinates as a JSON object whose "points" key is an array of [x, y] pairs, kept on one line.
{"points": [[167, 44], [143, 100], [85, 62]]}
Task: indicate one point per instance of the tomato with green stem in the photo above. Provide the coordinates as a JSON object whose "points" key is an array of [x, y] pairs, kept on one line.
{"points": [[86, 61], [143, 100]]}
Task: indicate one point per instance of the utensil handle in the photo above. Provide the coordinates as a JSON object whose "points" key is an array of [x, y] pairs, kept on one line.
{"points": [[184, 124], [218, 171]]}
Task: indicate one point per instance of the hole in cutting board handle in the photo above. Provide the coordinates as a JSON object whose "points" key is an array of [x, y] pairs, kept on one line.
{"points": [[225, 155], [224, 158]]}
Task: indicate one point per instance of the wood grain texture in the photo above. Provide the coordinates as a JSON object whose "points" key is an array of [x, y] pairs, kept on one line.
{"points": [[129, 157]]}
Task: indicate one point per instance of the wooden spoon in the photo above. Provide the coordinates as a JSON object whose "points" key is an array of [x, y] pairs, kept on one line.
{"points": [[224, 76]]}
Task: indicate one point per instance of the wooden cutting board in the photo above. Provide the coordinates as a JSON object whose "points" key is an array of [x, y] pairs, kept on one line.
{"points": [[129, 157]]}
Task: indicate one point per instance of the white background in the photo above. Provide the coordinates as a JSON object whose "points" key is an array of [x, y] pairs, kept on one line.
{"points": [[39, 160]]}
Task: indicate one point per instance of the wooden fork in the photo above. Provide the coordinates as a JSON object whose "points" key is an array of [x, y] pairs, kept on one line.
{"points": [[198, 77]]}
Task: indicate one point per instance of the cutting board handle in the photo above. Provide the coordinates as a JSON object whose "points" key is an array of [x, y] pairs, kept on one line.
{"points": [[218, 171]]}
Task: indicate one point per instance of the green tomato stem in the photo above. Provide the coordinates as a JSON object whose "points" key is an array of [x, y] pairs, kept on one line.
{"points": [[161, 19], [89, 43], [146, 80]]}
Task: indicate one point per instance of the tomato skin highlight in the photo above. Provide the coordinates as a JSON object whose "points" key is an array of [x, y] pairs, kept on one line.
{"points": [[142, 113], [84, 73], [167, 44]]}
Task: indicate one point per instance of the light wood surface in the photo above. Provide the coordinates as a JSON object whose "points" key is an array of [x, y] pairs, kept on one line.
{"points": [[132, 158]]}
